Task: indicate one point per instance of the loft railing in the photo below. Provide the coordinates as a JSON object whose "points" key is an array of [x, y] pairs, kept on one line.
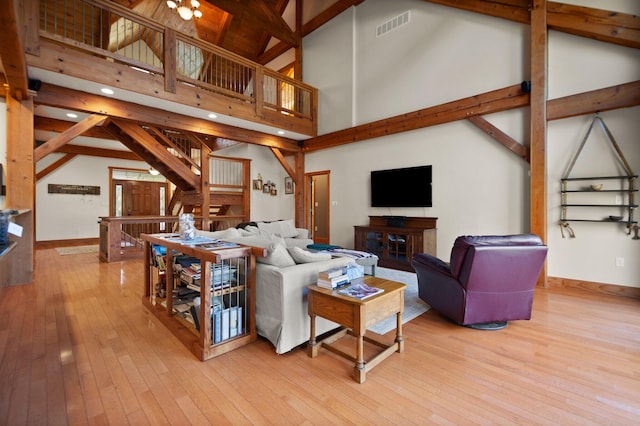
{"points": [[106, 29]]}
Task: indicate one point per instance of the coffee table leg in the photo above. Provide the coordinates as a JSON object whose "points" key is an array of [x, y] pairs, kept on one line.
{"points": [[359, 373], [312, 350], [399, 338]]}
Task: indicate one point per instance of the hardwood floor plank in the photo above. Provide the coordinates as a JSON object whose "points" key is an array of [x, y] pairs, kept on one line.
{"points": [[77, 347]]}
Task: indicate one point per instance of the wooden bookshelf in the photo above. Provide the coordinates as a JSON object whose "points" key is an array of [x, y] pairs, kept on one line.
{"points": [[239, 290]]}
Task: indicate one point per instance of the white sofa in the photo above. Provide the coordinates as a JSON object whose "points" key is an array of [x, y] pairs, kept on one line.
{"points": [[281, 281]]}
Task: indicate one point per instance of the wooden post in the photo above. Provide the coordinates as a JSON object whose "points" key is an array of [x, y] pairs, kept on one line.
{"points": [[21, 184], [205, 187], [538, 140], [170, 66]]}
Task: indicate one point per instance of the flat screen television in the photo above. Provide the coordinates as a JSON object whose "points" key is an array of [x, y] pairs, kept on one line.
{"points": [[406, 187]]}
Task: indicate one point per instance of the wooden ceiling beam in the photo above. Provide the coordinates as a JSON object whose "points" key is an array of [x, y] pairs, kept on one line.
{"points": [[614, 97], [12, 52], [98, 152], [257, 16], [611, 27], [263, 42], [61, 97], [47, 124], [62, 138], [485, 103], [501, 137], [283, 162], [603, 25], [273, 53], [328, 14], [55, 165]]}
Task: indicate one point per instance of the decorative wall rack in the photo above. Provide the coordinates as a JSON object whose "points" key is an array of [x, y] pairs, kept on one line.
{"points": [[621, 186]]}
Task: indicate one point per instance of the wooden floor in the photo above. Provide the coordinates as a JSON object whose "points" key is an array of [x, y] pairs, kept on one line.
{"points": [[77, 347]]}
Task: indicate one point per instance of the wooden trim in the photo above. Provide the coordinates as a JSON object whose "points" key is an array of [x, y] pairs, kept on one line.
{"points": [[45, 244], [298, 187], [601, 288]]}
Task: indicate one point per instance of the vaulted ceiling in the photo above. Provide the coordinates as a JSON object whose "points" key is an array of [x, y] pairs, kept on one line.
{"points": [[259, 30]]}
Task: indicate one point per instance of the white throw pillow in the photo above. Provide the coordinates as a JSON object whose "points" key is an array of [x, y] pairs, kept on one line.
{"points": [[279, 256], [301, 255]]}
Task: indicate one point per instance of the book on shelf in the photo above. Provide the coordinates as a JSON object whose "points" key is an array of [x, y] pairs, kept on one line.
{"points": [[360, 290], [189, 276], [335, 282]]}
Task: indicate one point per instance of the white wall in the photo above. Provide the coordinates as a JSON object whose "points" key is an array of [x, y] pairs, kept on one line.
{"points": [[479, 187], [74, 216]]}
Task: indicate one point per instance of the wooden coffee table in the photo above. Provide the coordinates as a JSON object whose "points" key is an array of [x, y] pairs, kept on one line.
{"points": [[355, 316]]}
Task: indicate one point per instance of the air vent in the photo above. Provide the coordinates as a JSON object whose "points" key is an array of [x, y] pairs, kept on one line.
{"points": [[393, 23]]}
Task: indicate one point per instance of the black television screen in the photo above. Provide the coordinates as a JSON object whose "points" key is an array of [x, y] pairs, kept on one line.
{"points": [[407, 187]]}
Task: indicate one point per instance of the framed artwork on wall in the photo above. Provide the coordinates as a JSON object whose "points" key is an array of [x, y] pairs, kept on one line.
{"points": [[266, 188], [288, 185], [257, 184]]}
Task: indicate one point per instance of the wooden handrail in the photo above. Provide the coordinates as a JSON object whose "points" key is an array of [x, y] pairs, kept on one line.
{"points": [[181, 59]]}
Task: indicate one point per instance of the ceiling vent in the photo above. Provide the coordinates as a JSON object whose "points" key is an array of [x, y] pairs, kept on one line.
{"points": [[393, 23]]}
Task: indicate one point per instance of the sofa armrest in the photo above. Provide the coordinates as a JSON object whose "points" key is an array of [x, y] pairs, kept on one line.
{"points": [[303, 233]]}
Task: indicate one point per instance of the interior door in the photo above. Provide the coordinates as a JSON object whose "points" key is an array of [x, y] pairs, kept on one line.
{"points": [[317, 201]]}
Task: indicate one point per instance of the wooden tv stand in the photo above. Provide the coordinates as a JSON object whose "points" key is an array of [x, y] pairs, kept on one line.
{"points": [[395, 239]]}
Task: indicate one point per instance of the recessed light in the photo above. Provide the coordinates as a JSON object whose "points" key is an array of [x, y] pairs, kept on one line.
{"points": [[212, 115], [106, 91], [72, 115], [281, 132]]}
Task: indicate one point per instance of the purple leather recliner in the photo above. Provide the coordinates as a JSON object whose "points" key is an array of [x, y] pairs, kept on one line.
{"points": [[489, 281]]}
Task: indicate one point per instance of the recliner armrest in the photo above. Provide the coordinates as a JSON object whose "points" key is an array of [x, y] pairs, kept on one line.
{"points": [[428, 261]]}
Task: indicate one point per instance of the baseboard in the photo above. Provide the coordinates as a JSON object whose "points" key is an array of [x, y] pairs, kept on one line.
{"points": [[611, 289], [66, 243]]}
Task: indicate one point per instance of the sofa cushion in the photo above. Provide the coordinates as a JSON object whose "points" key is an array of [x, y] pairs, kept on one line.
{"points": [[300, 255], [284, 228]]}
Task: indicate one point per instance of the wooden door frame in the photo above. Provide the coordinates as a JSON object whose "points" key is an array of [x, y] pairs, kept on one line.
{"points": [[129, 169], [308, 207]]}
